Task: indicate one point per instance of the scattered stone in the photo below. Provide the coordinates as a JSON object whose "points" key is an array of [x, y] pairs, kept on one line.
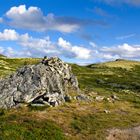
{"points": [[82, 97], [99, 98], [115, 97], [93, 94], [43, 83], [109, 100], [106, 111], [112, 98], [36, 105]]}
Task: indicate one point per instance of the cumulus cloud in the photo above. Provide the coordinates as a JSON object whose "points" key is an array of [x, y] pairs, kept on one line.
{"points": [[25, 40], [30, 47], [38, 47], [125, 51], [8, 35], [10, 52], [74, 51], [32, 18]]}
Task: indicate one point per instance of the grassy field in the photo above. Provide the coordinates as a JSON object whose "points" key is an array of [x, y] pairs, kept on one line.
{"points": [[78, 120]]}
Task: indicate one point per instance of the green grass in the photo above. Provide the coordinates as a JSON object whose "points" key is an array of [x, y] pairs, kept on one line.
{"points": [[96, 126], [114, 79], [9, 66], [23, 127], [38, 108]]}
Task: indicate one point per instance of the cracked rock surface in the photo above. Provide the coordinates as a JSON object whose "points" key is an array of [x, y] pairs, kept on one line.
{"points": [[41, 84]]}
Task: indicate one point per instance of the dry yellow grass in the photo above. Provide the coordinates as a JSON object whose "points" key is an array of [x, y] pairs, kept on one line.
{"points": [[63, 115], [127, 64]]}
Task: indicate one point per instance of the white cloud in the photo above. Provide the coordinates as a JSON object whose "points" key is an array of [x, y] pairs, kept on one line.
{"points": [[30, 46], [33, 18], [64, 44], [81, 52], [10, 52], [38, 47], [75, 51], [26, 18], [41, 46], [125, 51], [8, 35]]}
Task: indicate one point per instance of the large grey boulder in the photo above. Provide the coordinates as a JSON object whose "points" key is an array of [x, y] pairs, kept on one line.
{"points": [[43, 83]]}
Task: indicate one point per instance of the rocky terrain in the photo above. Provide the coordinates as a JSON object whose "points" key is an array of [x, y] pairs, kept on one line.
{"points": [[45, 83]]}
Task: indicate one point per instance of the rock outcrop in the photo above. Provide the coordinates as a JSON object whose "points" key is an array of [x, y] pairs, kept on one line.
{"points": [[41, 84]]}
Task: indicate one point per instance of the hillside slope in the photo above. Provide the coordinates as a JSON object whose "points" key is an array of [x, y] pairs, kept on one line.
{"points": [[115, 94], [9, 65], [119, 63]]}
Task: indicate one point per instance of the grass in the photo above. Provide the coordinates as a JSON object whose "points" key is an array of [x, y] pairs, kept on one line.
{"points": [[95, 126], [78, 120], [23, 127], [126, 64], [38, 108], [9, 66]]}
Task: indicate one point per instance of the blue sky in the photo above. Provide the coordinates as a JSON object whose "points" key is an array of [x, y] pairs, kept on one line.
{"points": [[79, 31]]}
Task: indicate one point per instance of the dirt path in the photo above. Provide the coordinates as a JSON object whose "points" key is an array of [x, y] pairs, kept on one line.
{"points": [[124, 134]]}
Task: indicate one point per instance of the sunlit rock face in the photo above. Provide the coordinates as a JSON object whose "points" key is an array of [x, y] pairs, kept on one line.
{"points": [[45, 83]]}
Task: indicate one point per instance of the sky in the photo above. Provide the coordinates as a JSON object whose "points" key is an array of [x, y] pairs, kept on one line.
{"points": [[77, 31]]}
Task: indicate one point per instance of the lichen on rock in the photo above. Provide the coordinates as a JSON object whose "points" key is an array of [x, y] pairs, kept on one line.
{"points": [[43, 83]]}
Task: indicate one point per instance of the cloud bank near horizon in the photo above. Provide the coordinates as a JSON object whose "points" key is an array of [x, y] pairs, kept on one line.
{"points": [[38, 47]]}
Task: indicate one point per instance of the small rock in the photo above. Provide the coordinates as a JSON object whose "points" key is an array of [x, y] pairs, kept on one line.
{"points": [[106, 111], [109, 100], [115, 97], [82, 97], [37, 105], [99, 98], [93, 94]]}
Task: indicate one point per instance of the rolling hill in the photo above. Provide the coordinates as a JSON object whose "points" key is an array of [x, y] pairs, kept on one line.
{"points": [[119, 63]]}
